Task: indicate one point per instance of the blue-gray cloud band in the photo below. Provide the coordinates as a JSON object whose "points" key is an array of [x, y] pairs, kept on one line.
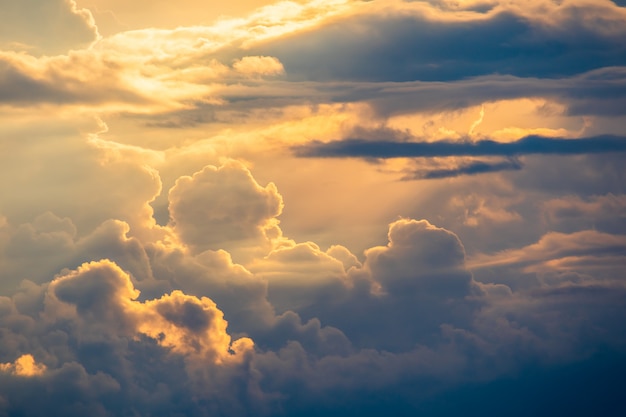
{"points": [[471, 168], [359, 148]]}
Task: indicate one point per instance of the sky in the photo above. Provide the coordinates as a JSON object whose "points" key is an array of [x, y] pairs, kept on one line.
{"points": [[312, 208]]}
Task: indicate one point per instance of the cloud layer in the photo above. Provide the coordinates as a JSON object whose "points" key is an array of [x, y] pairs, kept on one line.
{"points": [[229, 218]]}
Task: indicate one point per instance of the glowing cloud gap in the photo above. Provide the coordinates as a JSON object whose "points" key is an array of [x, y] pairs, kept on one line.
{"points": [[359, 148]]}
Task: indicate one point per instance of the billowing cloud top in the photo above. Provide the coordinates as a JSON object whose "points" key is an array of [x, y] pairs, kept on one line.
{"points": [[312, 208]]}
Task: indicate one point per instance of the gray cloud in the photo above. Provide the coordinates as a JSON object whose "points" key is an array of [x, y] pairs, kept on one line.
{"points": [[411, 46], [411, 324], [358, 148], [216, 313], [66, 79], [606, 213], [468, 168]]}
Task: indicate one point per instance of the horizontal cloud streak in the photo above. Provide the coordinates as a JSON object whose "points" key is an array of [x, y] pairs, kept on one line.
{"points": [[358, 148], [471, 168]]}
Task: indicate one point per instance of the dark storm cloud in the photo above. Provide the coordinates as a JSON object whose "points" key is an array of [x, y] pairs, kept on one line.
{"points": [[358, 148], [404, 47]]}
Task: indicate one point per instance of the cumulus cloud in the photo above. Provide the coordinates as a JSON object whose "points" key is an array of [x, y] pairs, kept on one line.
{"points": [[94, 308], [411, 311], [301, 275], [398, 297], [99, 299], [25, 366], [224, 208]]}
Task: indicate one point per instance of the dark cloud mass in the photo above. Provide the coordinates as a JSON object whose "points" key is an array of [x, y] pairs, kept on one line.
{"points": [[400, 47], [408, 331], [529, 145]]}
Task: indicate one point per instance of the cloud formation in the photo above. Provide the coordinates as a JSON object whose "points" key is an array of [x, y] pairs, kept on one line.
{"points": [[470, 168], [222, 208], [206, 219], [405, 41], [529, 145], [46, 27]]}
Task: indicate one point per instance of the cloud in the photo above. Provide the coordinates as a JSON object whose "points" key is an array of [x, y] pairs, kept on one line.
{"points": [[419, 274], [300, 276], [409, 316], [98, 299], [186, 69], [563, 176], [83, 77], [92, 184], [258, 65], [468, 168], [25, 366], [101, 295], [406, 41], [144, 271], [233, 209], [46, 27], [597, 92], [38, 395], [558, 250], [528, 145], [600, 212]]}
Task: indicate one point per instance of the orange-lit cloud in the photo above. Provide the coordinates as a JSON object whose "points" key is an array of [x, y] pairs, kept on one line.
{"points": [[233, 208], [25, 365], [101, 298]]}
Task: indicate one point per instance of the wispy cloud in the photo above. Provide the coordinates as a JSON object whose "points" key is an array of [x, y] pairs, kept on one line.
{"points": [[469, 168], [358, 148]]}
